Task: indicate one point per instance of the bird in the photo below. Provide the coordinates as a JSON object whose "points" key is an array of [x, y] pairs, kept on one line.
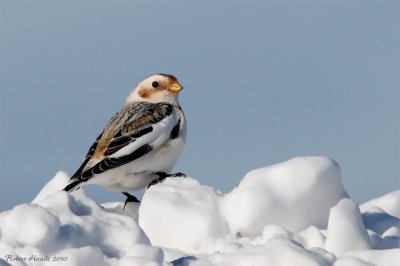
{"points": [[140, 144]]}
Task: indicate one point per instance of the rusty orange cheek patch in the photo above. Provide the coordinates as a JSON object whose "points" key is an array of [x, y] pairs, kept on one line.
{"points": [[146, 93]]}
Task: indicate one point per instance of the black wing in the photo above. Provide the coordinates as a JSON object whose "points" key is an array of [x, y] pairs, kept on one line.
{"points": [[131, 123]]}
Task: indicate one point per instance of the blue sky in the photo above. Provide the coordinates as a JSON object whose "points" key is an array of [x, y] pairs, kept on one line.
{"points": [[264, 82]]}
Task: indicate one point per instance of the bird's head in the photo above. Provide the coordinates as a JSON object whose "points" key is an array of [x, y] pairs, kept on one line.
{"points": [[156, 88]]}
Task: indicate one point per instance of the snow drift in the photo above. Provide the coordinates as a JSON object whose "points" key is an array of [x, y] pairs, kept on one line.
{"points": [[292, 213], [294, 194]]}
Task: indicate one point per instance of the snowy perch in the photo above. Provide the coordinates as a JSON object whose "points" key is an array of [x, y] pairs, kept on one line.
{"points": [[277, 215]]}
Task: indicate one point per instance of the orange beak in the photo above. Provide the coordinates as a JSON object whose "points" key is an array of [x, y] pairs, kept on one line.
{"points": [[175, 87]]}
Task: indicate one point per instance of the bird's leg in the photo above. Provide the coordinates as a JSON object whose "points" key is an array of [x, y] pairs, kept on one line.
{"points": [[162, 176], [129, 198]]}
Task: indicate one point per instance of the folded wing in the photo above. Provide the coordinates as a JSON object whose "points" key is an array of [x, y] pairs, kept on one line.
{"points": [[132, 133]]}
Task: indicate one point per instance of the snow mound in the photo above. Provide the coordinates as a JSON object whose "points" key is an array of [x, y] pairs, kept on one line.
{"points": [[277, 251], [384, 229], [389, 257], [294, 194], [56, 184], [346, 231], [379, 221], [350, 261], [278, 215], [62, 225], [181, 213], [17, 226], [312, 237], [390, 203]]}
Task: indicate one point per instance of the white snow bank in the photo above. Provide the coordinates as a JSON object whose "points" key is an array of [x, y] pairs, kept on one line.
{"points": [[388, 257], [294, 194], [276, 216], [181, 213], [380, 222], [77, 229], [346, 231], [29, 225], [390, 203], [54, 185], [312, 237], [351, 261], [277, 251]]}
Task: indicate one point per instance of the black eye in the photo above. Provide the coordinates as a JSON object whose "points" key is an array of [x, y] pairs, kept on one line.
{"points": [[155, 84]]}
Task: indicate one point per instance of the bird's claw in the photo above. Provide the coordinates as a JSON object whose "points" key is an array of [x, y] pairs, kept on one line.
{"points": [[162, 176], [156, 181], [129, 198], [179, 174]]}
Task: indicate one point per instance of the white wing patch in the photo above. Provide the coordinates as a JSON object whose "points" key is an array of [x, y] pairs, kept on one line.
{"points": [[160, 134]]}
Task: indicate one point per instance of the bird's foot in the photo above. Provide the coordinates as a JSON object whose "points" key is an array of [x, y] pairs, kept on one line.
{"points": [[129, 198], [162, 176], [178, 174]]}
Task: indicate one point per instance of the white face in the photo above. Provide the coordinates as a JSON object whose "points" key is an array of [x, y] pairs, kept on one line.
{"points": [[148, 82], [157, 88]]}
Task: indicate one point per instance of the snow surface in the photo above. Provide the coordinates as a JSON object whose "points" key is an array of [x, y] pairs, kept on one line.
{"points": [[346, 231], [294, 194], [292, 213]]}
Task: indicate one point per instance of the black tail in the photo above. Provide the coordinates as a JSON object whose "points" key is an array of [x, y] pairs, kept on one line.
{"points": [[72, 186]]}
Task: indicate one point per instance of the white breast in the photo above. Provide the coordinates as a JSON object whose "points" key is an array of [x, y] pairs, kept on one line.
{"points": [[139, 173]]}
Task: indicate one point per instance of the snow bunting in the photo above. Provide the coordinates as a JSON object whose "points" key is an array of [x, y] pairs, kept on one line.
{"points": [[141, 143]]}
